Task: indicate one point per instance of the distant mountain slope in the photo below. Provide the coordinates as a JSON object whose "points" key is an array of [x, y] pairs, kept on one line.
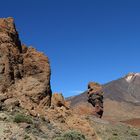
{"points": [[77, 99], [126, 89]]}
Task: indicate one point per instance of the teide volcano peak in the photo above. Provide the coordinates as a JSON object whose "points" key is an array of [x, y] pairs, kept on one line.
{"points": [[125, 89]]}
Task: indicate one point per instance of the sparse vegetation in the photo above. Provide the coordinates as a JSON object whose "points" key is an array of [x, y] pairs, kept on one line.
{"points": [[18, 118], [114, 138], [26, 137], [117, 131], [71, 135], [115, 134]]}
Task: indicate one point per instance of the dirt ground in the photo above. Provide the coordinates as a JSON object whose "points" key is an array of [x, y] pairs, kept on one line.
{"points": [[134, 122]]}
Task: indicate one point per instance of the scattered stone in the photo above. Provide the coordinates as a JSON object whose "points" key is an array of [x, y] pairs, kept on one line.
{"points": [[3, 116], [25, 125]]}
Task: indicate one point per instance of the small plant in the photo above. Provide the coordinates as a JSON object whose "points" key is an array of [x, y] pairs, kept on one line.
{"points": [[134, 133], [19, 118], [115, 134], [26, 137], [71, 135]]}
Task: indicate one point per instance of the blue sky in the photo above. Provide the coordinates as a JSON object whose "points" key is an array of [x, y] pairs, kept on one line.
{"points": [[86, 40]]}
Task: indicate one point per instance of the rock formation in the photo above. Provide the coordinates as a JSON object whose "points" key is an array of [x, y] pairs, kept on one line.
{"points": [[24, 72], [58, 100]]}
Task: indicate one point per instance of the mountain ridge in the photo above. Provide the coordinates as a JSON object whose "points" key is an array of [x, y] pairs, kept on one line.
{"points": [[122, 90]]}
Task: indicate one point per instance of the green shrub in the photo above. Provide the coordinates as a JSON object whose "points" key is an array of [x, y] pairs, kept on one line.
{"points": [[134, 133], [115, 134], [26, 137], [72, 135], [22, 118]]}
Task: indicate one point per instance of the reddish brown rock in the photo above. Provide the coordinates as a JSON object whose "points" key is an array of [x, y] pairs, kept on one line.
{"points": [[24, 72], [95, 97], [59, 101], [10, 54]]}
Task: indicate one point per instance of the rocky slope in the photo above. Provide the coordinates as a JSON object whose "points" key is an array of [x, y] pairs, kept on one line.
{"points": [[121, 118]]}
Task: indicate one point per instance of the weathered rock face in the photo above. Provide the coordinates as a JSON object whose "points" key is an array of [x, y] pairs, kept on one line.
{"points": [[10, 58], [58, 100], [24, 72]]}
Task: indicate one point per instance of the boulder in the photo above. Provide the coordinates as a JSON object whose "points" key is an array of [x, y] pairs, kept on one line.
{"points": [[3, 116], [59, 101]]}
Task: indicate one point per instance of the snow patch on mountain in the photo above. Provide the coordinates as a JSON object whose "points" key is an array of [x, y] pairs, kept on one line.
{"points": [[131, 76]]}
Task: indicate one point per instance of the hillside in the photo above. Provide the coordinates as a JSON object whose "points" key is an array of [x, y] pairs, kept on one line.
{"points": [[125, 89], [121, 99]]}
